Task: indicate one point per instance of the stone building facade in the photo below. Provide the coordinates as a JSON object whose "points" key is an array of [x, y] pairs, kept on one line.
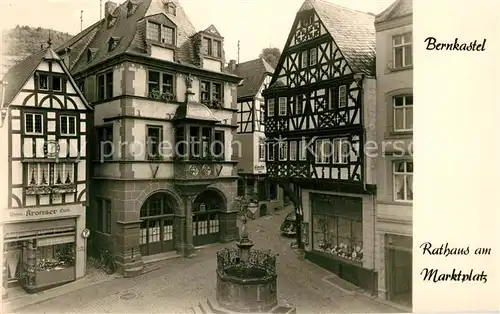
{"points": [[163, 176], [395, 142]]}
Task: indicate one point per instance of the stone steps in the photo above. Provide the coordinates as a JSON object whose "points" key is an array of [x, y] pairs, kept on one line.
{"points": [[209, 306]]}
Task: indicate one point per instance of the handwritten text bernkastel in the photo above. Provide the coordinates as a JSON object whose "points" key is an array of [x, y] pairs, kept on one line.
{"points": [[433, 44]]}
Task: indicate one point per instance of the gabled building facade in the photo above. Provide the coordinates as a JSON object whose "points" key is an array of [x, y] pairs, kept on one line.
{"points": [[253, 182], [320, 113], [395, 164], [163, 179], [44, 130]]}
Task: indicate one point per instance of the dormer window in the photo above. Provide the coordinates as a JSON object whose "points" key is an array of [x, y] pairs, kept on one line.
{"points": [[212, 47], [171, 8], [91, 54], [111, 20], [160, 33], [131, 8], [113, 43]]}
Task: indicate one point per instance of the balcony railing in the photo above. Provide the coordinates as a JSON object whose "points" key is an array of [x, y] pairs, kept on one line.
{"points": [[196, 170]]}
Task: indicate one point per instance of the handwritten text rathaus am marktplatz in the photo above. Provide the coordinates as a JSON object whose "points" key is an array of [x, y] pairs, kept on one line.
{"points": [[436, 275]]}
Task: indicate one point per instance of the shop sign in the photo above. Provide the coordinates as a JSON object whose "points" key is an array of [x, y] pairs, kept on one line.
{"points": [[42, 212], [259, 168]]}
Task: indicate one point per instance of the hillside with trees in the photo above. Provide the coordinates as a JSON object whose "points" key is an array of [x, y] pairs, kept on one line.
{"points": [[25, 40]]}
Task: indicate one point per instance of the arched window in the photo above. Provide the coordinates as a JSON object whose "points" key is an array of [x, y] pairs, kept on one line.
{"points": [[157, 205]]}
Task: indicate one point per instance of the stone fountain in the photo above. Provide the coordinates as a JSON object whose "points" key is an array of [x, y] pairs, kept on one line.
{"points": [[246, 281]]}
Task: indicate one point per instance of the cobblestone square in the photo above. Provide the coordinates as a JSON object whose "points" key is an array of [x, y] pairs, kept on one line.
{"points": [[182, 283]]}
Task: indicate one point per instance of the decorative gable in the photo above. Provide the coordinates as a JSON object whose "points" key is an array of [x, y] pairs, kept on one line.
{"points": [[212, 31]]}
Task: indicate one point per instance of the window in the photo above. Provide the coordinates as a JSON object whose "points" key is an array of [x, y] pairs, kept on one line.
{"points": [[338, 235], [211, 93], [111, 20], [270, 107], [403, 113], [154, 136], [262, 149], [168, 35], [313, 56], [342, 100], [160, 85], [67, 125], [43, 82], [56, 83], [200, 142], [38, 174], [33, 123], [153, 32], [283, 150], [104, 215], [131, 8], [219, 145], [293, 150], [403, 181], [302, 150], [105, 86], [299, 104], [402, 50], [323, 151], [305, 59], [64, 173], [341, 151], [207, 47], [282, 106], [105, 147], [212, 47], [171, 8], [216, 48], [270, 151]]}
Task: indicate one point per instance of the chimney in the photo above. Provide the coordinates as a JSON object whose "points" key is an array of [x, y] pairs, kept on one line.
{"points": [[109, 7], [232, 65]]}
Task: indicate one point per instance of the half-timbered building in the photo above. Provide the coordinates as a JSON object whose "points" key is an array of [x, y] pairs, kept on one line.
{"points": [[320, 113], [395, 162], [43, 126], [163, 179], [253, 182]]}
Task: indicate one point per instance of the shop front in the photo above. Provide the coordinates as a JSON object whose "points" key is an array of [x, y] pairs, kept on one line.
{"points": [[338, 236], [43, 247]]}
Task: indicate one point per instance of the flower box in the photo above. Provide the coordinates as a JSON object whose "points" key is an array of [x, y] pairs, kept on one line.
{"points": [[55, 276]]}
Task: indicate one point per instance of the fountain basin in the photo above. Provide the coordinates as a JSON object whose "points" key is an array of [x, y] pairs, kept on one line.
{"points": [[246, 286]]}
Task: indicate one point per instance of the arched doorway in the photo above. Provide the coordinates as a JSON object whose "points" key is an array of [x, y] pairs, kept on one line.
{"points": [[206, 209], [157, 224]]}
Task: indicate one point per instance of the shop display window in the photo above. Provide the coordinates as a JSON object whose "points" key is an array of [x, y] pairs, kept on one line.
{"points": [[339, 236], [47, 262]]}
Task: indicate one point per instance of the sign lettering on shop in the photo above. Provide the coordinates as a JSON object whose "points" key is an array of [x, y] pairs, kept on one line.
{"points": [[38, 212]]}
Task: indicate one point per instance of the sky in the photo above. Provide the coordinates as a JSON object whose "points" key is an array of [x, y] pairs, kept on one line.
{"points": [[257, 24]]}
